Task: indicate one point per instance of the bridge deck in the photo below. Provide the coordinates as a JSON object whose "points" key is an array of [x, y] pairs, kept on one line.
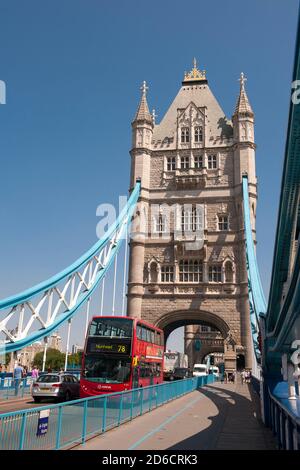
{"points": [[220, 416]]}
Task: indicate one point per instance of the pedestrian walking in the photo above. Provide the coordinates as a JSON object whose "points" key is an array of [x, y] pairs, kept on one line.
{"points": [[18, 374], [34, 375]]}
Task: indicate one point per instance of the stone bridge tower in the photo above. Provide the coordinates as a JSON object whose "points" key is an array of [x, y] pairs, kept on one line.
{"points": [[187, 258]]}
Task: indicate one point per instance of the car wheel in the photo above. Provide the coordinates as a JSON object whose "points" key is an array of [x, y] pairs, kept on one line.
{"points": [[36, 399], [68, 396]]}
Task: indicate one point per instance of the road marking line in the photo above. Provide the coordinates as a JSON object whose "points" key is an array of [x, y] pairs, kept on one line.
{"points": [[149, 434]]}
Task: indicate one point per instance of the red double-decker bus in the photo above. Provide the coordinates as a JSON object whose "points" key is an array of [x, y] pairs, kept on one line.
{"points": [[121, 353]]}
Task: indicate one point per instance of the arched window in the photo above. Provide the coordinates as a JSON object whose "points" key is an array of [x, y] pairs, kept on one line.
{"points": [[190, 219], [185, 135], [228, 272], [153, 273], [198, 134], [190, 271]]}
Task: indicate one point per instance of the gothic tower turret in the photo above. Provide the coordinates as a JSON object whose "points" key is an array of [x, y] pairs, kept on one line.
{"points": [[243, 136], [244, 163], [142, 131]]}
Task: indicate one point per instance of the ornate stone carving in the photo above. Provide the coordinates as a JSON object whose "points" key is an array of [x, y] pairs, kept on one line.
{"points": [[223, 208]]}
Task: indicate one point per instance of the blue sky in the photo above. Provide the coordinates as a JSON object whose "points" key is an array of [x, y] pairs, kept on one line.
{"points": [[73, 69]]}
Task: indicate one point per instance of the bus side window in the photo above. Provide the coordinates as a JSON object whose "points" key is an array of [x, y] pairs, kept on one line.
{"points": [[142, 370], [158, 338], [139, 331], [144, 334], [148, 336]]}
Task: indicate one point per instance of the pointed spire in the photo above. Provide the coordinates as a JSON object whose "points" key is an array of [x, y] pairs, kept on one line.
{"points": [[154, 116], [242, 105], [143, 113]]}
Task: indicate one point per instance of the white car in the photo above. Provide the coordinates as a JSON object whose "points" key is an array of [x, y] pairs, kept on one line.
{"points": [[214, 370], [200, 370]]}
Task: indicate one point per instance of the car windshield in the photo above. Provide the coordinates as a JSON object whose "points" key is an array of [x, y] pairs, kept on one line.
{"points": [[48, 378], [199, 369], [100, 368]]}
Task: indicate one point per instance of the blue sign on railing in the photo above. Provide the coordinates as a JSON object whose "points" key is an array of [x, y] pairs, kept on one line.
{"points": [[42, 427]]}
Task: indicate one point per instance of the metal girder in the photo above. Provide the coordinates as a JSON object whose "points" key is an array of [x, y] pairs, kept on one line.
{"points": [[257, 299]]}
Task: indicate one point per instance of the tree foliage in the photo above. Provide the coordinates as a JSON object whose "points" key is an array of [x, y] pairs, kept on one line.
{"points": [[54, 360], [74, 360]]}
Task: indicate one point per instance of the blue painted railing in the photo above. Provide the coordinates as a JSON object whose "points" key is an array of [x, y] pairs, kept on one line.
{"points": [[74, 422], [11, 388], [284, 419]]}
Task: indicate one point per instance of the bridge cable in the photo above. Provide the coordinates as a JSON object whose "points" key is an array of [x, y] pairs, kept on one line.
{"points": [[102, 296], [114, 285], [125, 271], [68, 342], [257, 300]]}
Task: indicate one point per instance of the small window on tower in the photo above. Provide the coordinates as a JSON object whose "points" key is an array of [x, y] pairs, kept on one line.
{"points": [[212, 162], [190, 271], [215, 273], [185, 135], [171, 163], [184, 163], [198, 134], [223, 222], [160, 223], [167, 274], [198, 161]]}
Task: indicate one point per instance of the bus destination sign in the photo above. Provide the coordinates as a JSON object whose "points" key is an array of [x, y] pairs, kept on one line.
{"points": [[115, 347]]}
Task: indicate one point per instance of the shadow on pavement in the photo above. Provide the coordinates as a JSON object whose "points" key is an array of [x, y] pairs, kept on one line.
{"points": [[234, 427]]}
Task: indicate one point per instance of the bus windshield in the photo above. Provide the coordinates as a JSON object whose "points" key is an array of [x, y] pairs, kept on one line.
{"points": [[111, 327], [106, 369]]}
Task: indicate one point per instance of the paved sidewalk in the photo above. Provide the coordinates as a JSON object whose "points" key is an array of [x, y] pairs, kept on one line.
{"points": [[220, 416]]}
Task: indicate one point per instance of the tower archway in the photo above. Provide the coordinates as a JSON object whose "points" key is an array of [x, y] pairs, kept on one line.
{"points": [[174, 319], [210, 337]]}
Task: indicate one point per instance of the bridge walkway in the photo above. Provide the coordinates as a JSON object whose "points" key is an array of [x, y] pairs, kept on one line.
{"points": [[220, 416]]}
